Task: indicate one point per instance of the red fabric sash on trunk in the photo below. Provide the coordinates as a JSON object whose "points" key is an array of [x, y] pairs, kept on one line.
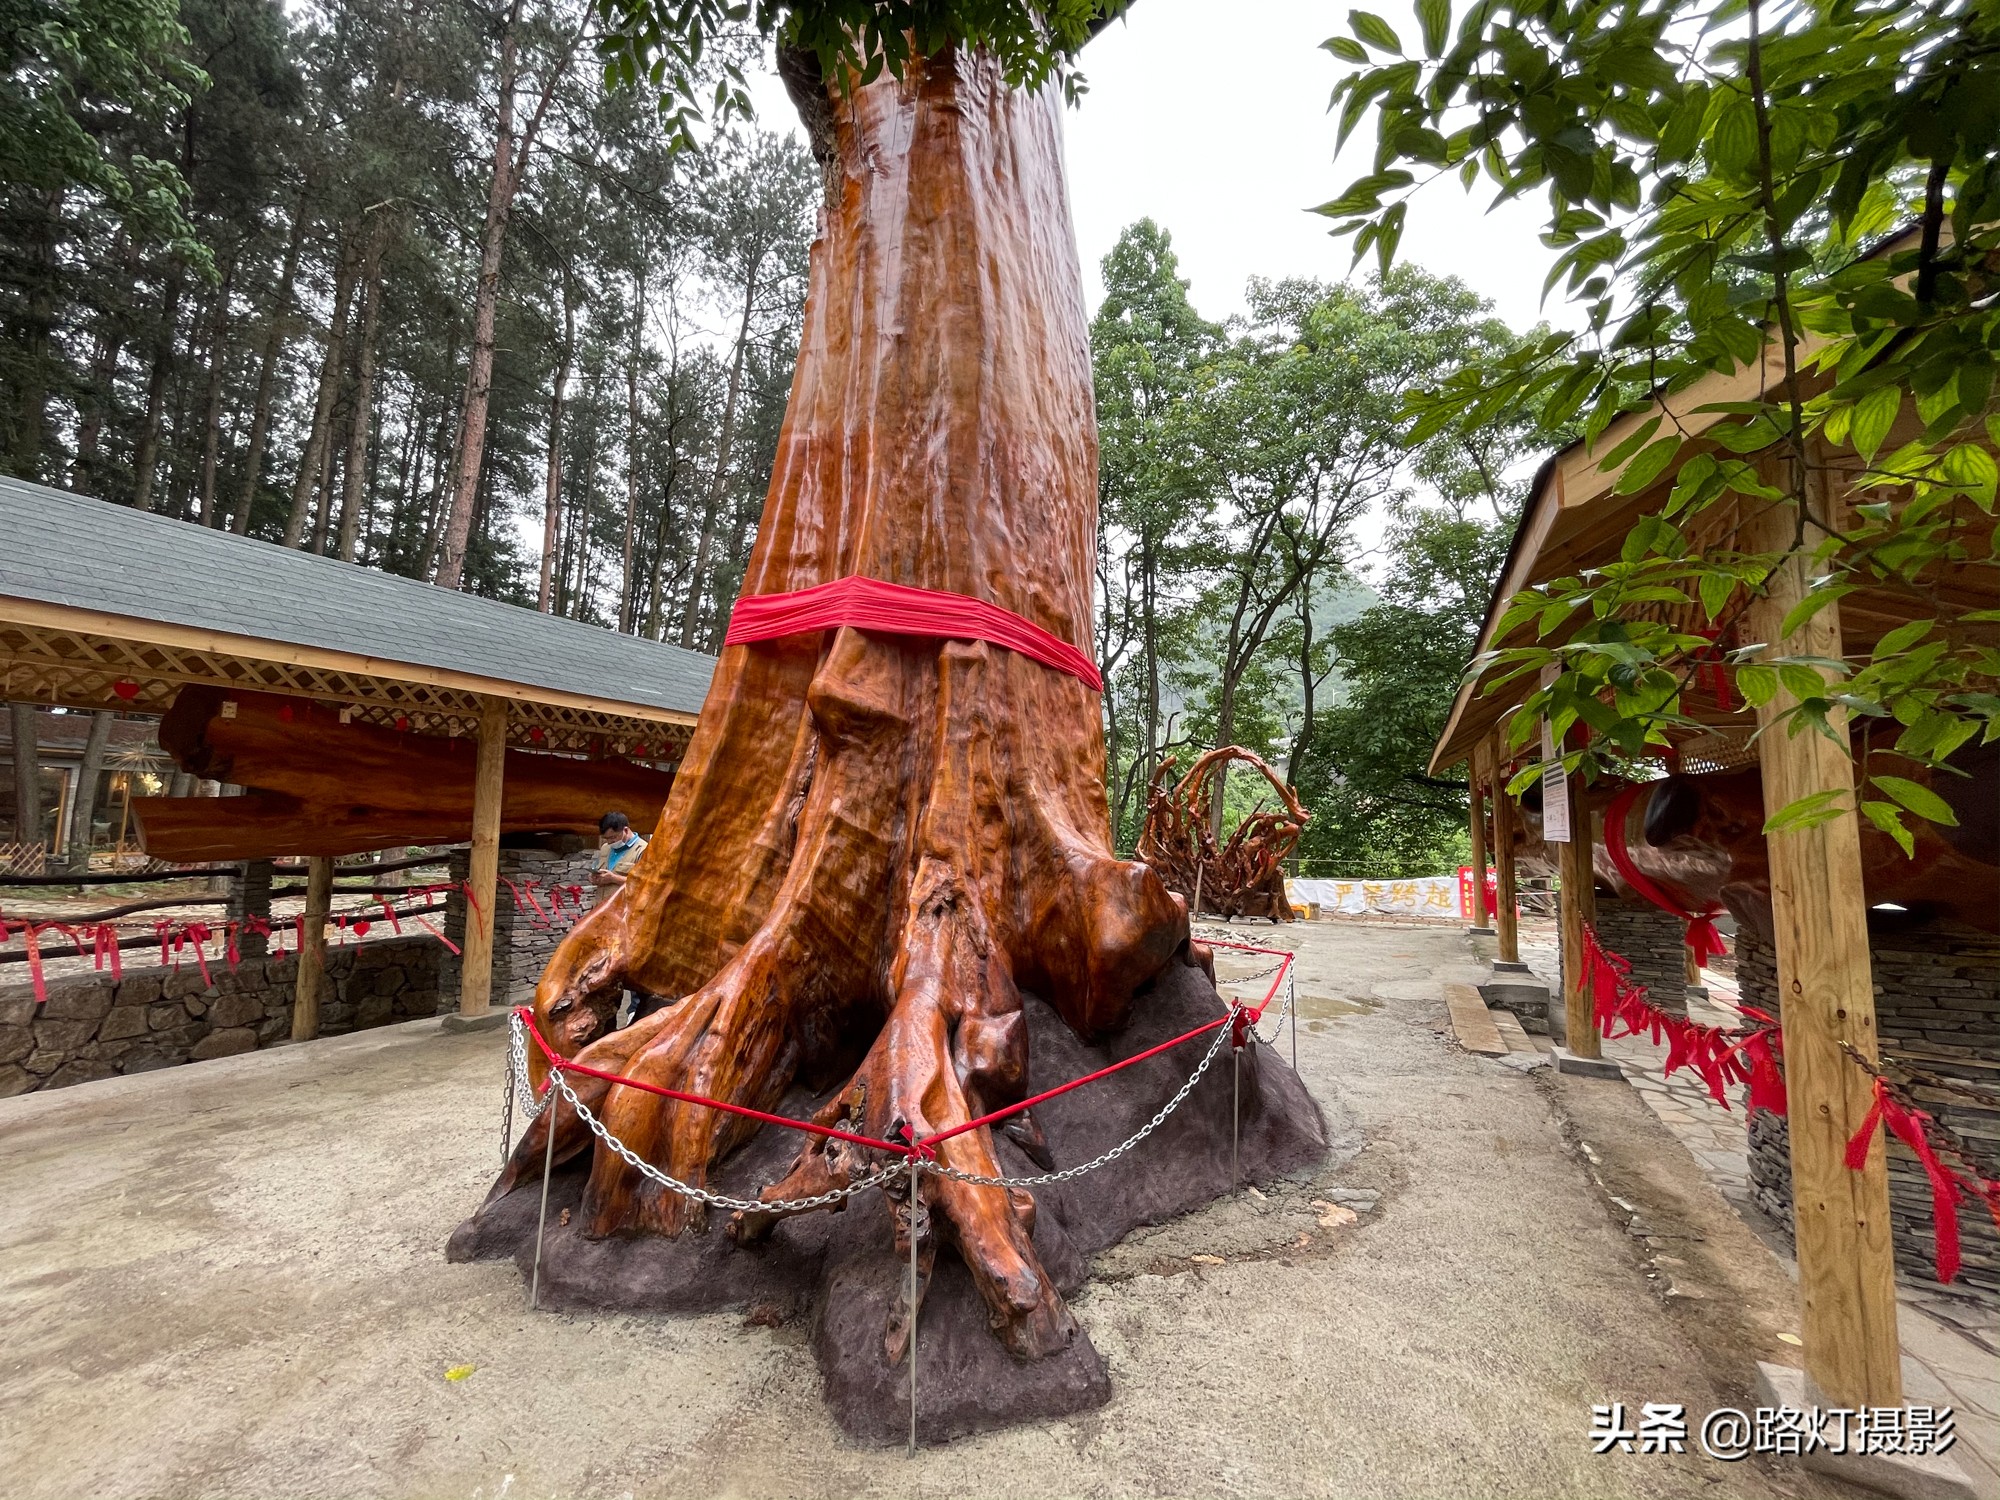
{"points": [[897, 609], [1701, 934]]}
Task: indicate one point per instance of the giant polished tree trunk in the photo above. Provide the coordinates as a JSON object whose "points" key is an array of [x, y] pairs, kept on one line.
{"points": [[874, 839]]}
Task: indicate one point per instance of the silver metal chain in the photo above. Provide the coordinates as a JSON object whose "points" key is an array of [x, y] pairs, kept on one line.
{"points": [[1278, 1027], [719, 1200], [1068, 1173]]}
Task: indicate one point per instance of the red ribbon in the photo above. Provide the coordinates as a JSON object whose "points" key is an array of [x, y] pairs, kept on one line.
{"points": [[1701, 934], [897, 609], [1908, 1126], [1714, 669], [1721, 1057]]}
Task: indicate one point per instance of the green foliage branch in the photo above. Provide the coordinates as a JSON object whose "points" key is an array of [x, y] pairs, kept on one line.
{"points": [[664, 42], [1722, 177]]}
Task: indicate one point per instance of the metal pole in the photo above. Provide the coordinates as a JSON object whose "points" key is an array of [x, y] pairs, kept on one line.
{"points": [[1194, 912], [916, 1204], [548, 1165], [1235, 1106], [1292, 1004]]}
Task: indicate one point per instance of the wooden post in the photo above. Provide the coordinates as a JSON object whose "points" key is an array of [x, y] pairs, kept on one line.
{"points": [[1579, 907], [475, 993], [1476, 805], [1847, 1276], [1505, 893], [312, 949]]}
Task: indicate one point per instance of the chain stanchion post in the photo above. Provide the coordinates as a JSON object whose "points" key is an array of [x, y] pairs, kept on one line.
{"points": [[541, 1224], [1292, 1004], [916, 1206], [1235, 1103]]}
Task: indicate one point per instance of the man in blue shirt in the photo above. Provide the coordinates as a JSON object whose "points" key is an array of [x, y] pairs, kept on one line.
{"points": [[621, 846]]}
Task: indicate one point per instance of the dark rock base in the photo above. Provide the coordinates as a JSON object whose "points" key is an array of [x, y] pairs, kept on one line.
{"points": [[840, 1271]]}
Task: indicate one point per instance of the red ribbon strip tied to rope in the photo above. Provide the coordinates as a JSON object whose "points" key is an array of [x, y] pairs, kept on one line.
{"points": [[1702, 937], [1911, 1125], [1721, 1056], [897, 609]]}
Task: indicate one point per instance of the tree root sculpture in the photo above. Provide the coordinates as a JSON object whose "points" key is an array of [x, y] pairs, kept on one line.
{"points": [[1245, 875], [876, 842]]}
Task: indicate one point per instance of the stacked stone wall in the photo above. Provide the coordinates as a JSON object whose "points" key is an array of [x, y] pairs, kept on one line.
{"points": [[1654, 942], [93, 1027], [1937, 1009]]}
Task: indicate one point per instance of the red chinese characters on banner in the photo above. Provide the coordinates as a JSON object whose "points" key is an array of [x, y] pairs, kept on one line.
{"points": [[1465, 893]]}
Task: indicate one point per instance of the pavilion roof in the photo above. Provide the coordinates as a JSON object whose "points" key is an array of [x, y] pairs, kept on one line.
{"points": [[108, 595]]}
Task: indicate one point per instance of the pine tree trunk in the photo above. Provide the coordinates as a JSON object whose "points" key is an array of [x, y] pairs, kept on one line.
{"points": [[267, 373], [724, 440], [627, 597], [510, 166], [875, 834], [552, 494], [103, 382], [27, 776], [312, 460], [211, 420], [364, 392], [89, 776], [146, 457]]}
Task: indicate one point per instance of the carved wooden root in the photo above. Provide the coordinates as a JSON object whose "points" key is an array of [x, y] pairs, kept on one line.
{"points": [[874, 839], [1245, 875]]}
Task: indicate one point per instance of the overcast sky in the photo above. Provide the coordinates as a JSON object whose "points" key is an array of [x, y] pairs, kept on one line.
{"points": [[1212, 119]]}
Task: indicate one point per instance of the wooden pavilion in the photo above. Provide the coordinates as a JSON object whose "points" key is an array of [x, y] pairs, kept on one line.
{"points": [[1573, 521], [103, 607]]}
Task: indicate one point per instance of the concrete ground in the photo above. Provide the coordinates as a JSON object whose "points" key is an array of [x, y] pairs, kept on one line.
{"points": [[228, 1279]]}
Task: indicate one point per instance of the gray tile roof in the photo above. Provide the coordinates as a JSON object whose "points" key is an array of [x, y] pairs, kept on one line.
{"points": [[58, 548]]}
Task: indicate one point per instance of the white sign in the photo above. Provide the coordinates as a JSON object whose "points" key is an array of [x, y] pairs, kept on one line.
{"points": [[1419, 896], [1555, 783]]}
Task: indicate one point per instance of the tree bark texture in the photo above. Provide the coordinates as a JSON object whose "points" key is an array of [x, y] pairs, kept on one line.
{"points": [[552, 496], [89, 776], [267, 372], [874, 840], [146, 457], [364, 392], [312, 460], [27, 775]]}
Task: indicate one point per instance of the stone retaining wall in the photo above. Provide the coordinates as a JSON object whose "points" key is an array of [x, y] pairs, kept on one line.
{"points": [[1653, 942], [1937, 1007], [94, 1028], [521, 942]]}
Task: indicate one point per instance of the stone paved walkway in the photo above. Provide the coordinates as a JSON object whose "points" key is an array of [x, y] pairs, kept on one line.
{"points": [[1951, 1344]]}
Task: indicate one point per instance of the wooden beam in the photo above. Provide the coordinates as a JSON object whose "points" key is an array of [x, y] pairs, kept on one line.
{"points": [[1847, 1276], [1506, 891], [1579, 909], [1476, 808], [312, 949], [489, 779]]}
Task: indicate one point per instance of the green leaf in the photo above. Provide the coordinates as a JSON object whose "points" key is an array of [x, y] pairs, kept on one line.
{"points": [[1375, 31], [1874, 414], [1758, 683], [1807, 812], [1716, 589], [1435, 18], [1971, 468], [1632, 443], [1649, 465], [1918, 798], [1801, 682], [1732, 144], [1815, 601], [1346, 49], [1885, 817], [1902, 638]]}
